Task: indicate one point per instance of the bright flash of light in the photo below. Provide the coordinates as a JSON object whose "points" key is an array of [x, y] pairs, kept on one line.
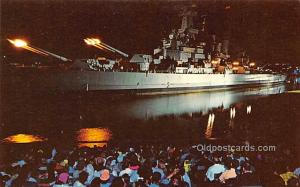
{"points": [[96, 43], [92, 41], [23, 44], [18, 42], [88, 41]]}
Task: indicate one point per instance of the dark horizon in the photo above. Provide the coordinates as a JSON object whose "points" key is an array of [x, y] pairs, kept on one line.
{"points": [[268, 31]]}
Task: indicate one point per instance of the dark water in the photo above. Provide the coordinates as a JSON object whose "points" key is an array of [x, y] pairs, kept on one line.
{"points": [[94, 119]]}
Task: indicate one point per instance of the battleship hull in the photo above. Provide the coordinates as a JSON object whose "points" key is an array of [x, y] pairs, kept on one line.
{"points": [[139, 83]]}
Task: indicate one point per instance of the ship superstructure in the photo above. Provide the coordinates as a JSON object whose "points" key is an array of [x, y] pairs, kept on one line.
{"points": [[194, 50], [185, 47]]}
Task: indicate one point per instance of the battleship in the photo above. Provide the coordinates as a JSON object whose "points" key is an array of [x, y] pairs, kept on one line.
{"points": [[188, 60]]}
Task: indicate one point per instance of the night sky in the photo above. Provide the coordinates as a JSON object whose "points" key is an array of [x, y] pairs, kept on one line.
{"points": [[268, 30]]}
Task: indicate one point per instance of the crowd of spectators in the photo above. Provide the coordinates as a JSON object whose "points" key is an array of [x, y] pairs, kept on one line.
{"points": [[147, 165]]}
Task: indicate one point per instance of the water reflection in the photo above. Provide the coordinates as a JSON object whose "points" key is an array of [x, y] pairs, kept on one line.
{"points": [[148, 118], [153, 107], [210, 124], [249, 108], [91, 137], [231, 124], [232, 113], [23, 138]]}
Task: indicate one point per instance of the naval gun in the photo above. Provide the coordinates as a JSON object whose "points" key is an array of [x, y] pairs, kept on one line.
{"points": [[64, 59], [23, 44], [101, 45], [114, 49]]}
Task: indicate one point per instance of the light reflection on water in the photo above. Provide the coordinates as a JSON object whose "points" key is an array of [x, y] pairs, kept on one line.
{"points": [[239, 108], [203, 102], [23, 138], [210, 124], [91, 137]]}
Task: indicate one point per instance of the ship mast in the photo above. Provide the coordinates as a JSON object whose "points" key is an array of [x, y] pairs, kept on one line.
{"points": [[187, 23]]}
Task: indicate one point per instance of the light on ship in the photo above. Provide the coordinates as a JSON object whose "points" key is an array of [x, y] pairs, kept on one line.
{"points": [[252, 64]]}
